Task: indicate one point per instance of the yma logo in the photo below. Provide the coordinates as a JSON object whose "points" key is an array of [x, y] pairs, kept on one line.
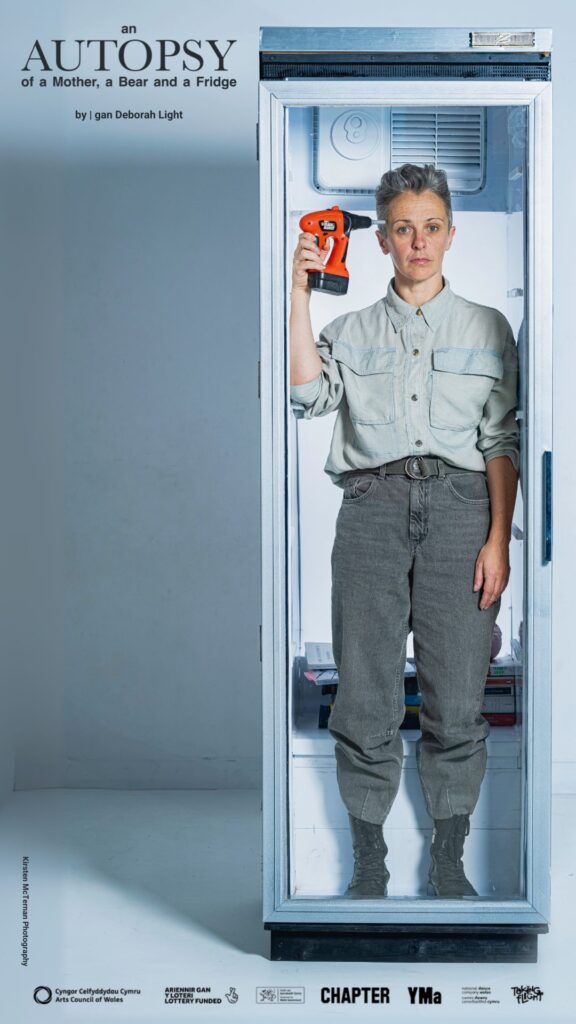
{"points": [[423, 994]]}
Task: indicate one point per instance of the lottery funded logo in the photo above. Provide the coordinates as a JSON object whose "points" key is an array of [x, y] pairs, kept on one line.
{"points": [[186, 995]]}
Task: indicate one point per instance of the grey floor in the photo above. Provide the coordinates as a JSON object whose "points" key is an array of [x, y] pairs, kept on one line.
{"points": [[157, 889]]}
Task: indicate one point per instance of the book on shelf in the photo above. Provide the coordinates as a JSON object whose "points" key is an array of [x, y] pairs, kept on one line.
{"points": [[502, 698]]}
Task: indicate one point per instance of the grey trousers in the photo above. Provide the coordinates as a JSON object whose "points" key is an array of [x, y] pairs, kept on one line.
{"points": [[403, 558]]}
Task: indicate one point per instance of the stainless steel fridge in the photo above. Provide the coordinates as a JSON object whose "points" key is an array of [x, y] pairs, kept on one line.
{"points": [[338, 107]]}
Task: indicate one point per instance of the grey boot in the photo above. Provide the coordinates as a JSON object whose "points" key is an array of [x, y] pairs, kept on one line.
{"points": [[370, 873], [446, 876]]}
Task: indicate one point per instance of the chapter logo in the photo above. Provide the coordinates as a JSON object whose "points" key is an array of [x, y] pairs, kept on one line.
{"points": [[355, 994], [42, 995]]}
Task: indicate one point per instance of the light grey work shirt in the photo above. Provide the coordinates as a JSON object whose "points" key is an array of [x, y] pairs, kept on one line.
{"points": [[439, 379]]}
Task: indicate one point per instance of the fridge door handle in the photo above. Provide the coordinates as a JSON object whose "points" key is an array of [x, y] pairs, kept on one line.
{"points": [[547, 518]]}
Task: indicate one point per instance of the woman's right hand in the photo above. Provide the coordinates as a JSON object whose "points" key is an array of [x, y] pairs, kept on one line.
{"points": [[307, 256]]}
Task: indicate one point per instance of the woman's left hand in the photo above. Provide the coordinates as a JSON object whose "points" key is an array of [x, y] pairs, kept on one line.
{"points": [[492, 571]]}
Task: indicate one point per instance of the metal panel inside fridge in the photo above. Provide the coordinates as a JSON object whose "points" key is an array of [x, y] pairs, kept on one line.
{"points": [[337, 109]]}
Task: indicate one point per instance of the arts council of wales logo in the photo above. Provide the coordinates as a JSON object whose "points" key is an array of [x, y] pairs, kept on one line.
{"points": [[42, 995]]}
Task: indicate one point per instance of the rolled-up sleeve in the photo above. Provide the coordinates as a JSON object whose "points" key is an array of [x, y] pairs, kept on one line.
{"points": [[324, 393], [498, 432]]}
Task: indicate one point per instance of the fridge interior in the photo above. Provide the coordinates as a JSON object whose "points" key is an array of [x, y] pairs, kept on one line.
{"points": [[336, 155]]}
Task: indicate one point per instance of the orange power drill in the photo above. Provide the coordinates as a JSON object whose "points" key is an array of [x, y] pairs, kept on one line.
{"points": [[337, 224]]}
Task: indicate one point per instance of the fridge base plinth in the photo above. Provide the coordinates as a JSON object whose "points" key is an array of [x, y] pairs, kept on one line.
{"points": [[405, 943]]}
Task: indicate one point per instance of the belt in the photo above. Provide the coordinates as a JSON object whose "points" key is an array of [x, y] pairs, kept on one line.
{"points": [[419, 467]]}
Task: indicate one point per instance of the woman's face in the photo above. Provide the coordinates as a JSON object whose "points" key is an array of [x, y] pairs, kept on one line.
{"points": [[417, 236]]}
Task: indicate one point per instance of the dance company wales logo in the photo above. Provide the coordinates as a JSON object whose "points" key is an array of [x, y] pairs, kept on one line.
{"points": [[526, 993]]}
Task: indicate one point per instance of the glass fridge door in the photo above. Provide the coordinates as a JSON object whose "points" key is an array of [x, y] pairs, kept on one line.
{"points": [[325, 144]]}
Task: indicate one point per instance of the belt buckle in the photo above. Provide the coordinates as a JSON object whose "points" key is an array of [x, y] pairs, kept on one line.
{"points": [[415, 468]]}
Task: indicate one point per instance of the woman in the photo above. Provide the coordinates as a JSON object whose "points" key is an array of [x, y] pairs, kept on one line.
{"points": [[426, 449]]}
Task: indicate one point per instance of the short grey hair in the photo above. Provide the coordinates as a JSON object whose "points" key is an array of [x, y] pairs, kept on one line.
{"points": [[412, 178]]}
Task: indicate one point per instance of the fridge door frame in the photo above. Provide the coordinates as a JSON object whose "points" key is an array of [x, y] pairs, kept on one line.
{"points": [[275, 99]]}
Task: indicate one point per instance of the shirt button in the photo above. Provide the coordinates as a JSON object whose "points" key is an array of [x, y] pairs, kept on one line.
{"points": [[415, 351], [419, 444], [414, 398], [419, 312]]}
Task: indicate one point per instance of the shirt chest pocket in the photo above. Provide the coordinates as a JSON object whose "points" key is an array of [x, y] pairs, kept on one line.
{"points": [[462, 379], [368, 378]]}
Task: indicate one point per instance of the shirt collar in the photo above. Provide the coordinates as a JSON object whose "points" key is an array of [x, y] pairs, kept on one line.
{"points": [[433, 312]]}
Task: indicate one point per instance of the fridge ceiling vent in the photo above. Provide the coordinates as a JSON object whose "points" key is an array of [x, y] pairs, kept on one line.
{"points": [[452, 139], [354, 145]]}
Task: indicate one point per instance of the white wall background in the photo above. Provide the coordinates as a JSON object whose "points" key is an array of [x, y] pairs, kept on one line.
{"points": [[130, 526]]}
